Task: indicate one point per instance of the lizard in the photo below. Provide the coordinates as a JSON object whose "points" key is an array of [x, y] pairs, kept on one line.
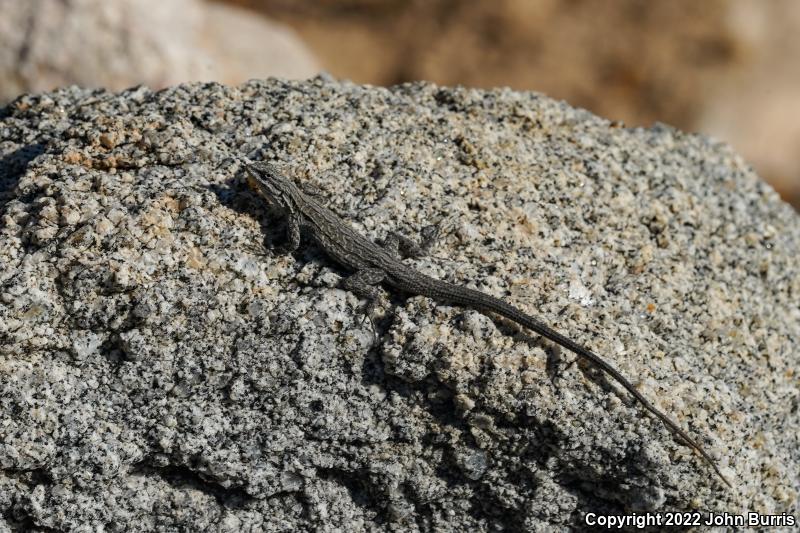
{"points": [[373, 264]]}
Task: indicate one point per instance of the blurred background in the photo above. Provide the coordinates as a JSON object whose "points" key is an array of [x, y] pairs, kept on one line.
{"points": [[727, 68]]}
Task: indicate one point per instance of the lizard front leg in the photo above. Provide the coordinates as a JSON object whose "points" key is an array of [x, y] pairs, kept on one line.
{"points": [[401, 246], [292, 234], [292, 242], [364, 284]]}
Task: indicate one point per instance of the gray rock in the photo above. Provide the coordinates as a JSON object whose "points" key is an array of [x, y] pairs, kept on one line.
{"points": [[163, 371], [50, 43]]}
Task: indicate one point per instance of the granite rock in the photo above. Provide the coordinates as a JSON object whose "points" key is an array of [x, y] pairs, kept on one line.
{"points": [[164, 367], [95, 43]]}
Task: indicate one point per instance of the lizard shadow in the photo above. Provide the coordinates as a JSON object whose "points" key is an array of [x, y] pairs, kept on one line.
{"points": [[238, 197], [13, 165], [556, 362]]}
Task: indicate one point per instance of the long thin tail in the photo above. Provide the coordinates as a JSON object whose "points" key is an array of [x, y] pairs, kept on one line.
{"points": [[478, 300], [556, 337]]}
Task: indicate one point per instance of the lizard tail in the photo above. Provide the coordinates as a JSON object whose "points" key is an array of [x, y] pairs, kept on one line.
{"points": [[485, 302]]}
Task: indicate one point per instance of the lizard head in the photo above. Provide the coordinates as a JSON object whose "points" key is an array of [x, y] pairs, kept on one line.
{"points": [[276, 189]]}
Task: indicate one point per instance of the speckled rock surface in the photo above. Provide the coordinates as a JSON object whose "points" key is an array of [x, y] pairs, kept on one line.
{"points": [[163, 368]]}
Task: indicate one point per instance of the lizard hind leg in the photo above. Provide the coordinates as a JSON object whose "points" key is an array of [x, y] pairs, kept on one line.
{"points": [[401, 246], [364, 284]]}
